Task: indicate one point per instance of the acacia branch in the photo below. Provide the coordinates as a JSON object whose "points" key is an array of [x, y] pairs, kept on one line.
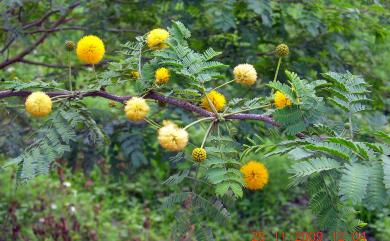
{"points": [[41, 20], [61, 66], [40, 40], [81, 28], [151, 95]]}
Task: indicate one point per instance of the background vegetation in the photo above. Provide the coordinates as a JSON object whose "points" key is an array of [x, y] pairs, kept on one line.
{"points": [[115, 190]]}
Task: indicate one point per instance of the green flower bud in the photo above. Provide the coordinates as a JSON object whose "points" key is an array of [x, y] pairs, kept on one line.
{"points": [[282, 50], [69, 45]]}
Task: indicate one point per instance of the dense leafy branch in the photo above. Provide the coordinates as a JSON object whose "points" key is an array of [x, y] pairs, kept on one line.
{"points": [[151, 95]]}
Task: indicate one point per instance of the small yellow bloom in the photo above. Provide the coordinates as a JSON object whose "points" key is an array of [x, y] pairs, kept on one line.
{"points": [[136, 109], [134, 74], [156, 38], [90, 49], [255, 175], [281, 100], [171, 137], [245, 74], [162, 76], [199, 154], [111, 103], [216, 98], [38, 104]]}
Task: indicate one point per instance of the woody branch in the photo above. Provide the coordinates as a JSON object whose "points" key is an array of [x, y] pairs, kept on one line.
{"points": [[151, 95]]}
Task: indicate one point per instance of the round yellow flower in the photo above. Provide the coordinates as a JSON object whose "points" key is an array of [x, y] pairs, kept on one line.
{"points": [[216, 98], [199, 154], [281, 100], [282, 50], [162, 76], [255, 175], [134, 74], [38, 104], [136, 109], [245, 74], [171, 137], [156, 38], [90, 49]]}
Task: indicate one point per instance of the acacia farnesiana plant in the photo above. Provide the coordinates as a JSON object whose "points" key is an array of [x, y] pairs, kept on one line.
{"points": [[162, 68]]}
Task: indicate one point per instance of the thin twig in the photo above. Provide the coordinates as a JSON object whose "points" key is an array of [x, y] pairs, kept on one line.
{"points": [[40, 40]]}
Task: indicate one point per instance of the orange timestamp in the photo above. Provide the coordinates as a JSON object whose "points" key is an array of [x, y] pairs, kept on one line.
{"points": [[308, 236]]}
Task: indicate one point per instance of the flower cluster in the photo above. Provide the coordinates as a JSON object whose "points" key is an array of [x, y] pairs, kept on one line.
{"points": [[90, 49], [199, 154], [281, 100], [217, 99], [134, 74], [156, 38], [171, 137], [245, 74], [38, 104], [255, 175], [136, 109], [161, 76]]}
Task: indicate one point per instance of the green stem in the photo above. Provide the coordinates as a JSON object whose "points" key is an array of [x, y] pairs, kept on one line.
{"points": [[152, 123], [212, 106], [61, 96], [350, 126], [197, 121], [94, 71], [277, 69], [206, 134], [223, 84], [241, 111], [140, 62], [197, 180], [70, 72]]}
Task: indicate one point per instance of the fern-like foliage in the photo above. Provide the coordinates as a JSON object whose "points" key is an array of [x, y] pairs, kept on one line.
{"points": [[121, 71], [195, 67], [306, 107], [53, 140], [196, 201], [354, 182], [347, 91], [197, 211], [357, 172], [223, 167], [17, 84]]}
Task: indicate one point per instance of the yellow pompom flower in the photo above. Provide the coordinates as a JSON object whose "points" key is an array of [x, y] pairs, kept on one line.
{"points": [[156, 38], [199, 154], [281, 100], [255, 175], [38, 104], [216, 98], [90, 49], [171, 137], [136, 109], [162, 76], [134, 74], [245, 74]]}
